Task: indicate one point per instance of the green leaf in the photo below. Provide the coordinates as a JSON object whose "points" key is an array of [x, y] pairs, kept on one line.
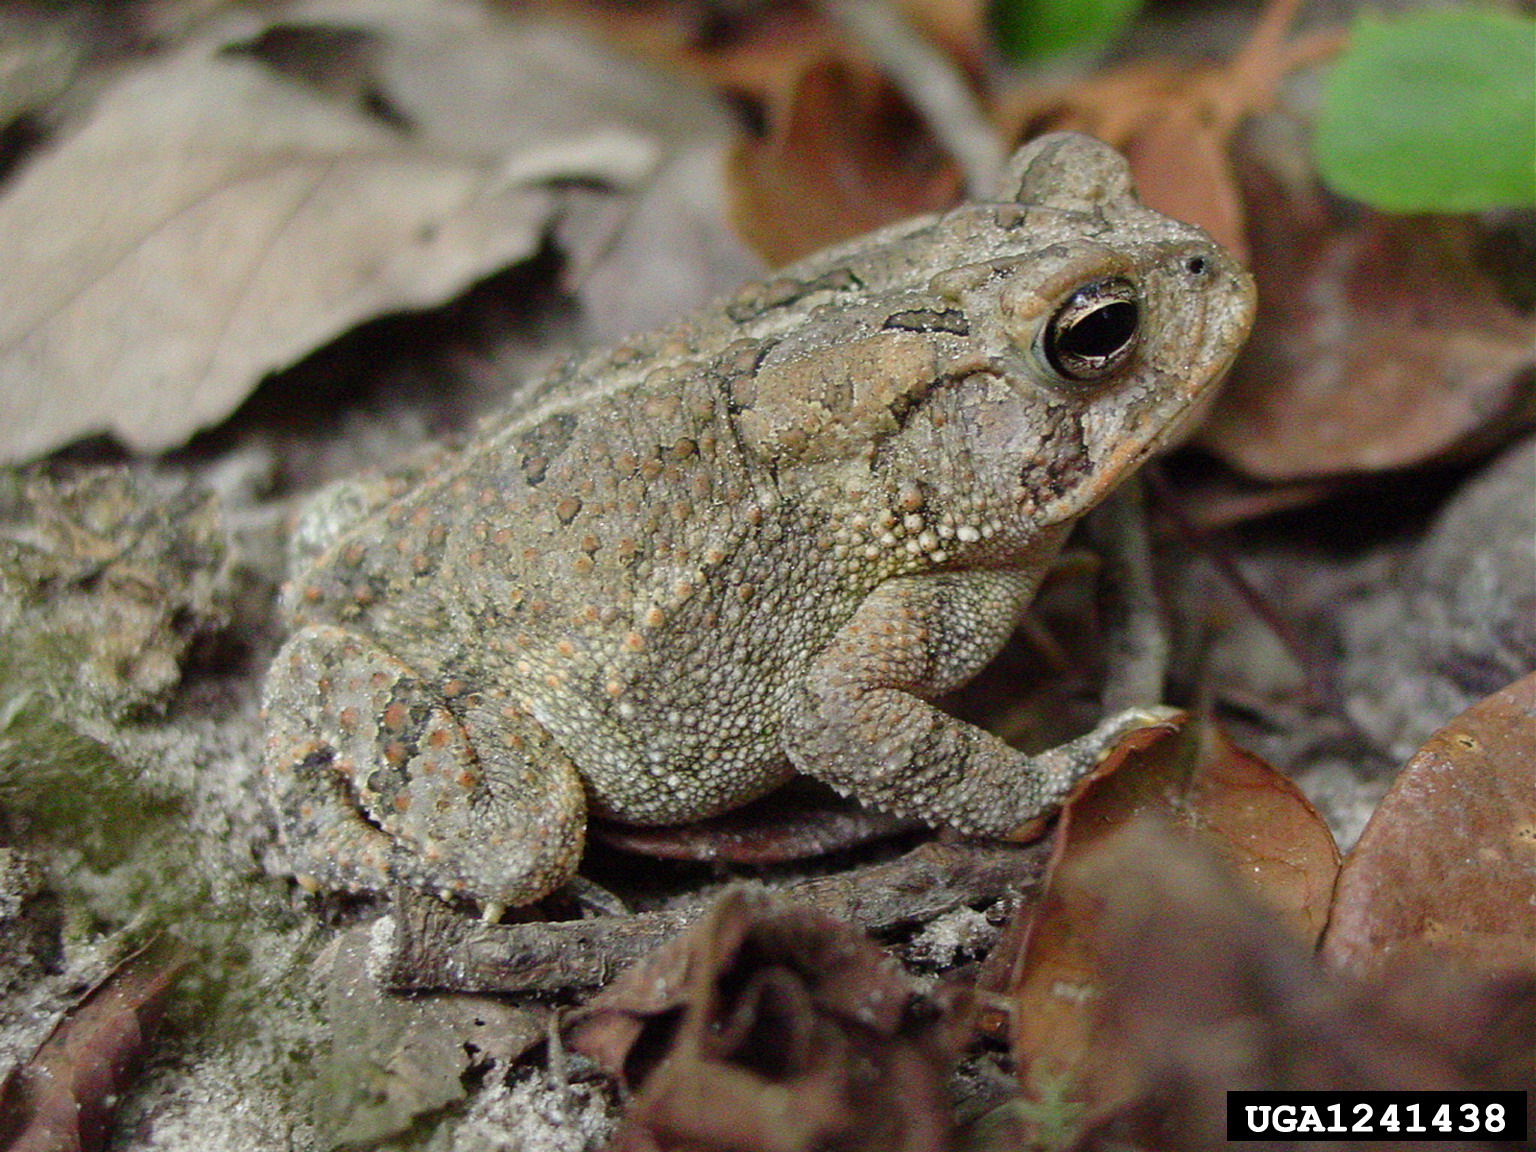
{"points": [[1434, 113], [1035, 29]]}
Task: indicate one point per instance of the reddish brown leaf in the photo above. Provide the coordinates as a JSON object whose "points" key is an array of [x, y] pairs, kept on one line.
{"points": [[1447, 863], [1252, 816], [957, 27], [1157, 112], [1182, 170], [62, 1100], [844, 154], [771, 1028], [1380, 345]]}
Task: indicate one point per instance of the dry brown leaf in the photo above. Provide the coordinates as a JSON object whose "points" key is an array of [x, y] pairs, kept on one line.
{"points": [[844, 154], [226, 210], [957, 27], [771, 1028], [1380, 345], [1208, 994], [1252, 816], [212, 223], [642, 260], [638, 153], [63, 1099], [537, 94], [1447, 863], [1157, 112]]}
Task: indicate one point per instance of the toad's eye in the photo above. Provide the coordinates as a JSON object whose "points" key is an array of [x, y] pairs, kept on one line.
{"points": [[1094, 332]]}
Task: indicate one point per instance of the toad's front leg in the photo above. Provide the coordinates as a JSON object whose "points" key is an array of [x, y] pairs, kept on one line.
{"points": [[860, 719], [382, 778]]}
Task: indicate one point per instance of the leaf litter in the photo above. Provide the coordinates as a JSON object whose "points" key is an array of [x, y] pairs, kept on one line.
{"points": [[1382, 344], [1047, 975], [1171, 977], [1208, 994], [1448, 860], [296, 219], [296, 216], [843, 154], [774, 1027]]}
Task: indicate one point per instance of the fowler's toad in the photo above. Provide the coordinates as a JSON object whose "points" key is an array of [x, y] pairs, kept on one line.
{"points": [[755, 542]]}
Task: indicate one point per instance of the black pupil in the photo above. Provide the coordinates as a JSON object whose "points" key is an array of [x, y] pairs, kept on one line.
{"points": [[1099, 333]]}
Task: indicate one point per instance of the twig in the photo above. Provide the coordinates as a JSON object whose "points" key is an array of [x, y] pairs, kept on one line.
{"points": [[933, 84], [1137, 660], [1320, 687], [434, 947]]}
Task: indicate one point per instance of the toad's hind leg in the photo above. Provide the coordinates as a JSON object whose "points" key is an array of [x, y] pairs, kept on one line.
{"points": [[379, 779]]}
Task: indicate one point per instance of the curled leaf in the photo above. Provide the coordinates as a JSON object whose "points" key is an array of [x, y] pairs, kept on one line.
{"points": [[771, 1028]]}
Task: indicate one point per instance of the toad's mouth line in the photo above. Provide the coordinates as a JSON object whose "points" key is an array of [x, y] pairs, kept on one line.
{"points": [[1126, 457]]}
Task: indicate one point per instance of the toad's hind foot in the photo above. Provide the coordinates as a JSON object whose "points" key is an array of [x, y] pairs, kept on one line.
{"points": [[380, 780]]}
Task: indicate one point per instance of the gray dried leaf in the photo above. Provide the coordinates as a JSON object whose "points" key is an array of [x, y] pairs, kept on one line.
{"points": [[209, 224], [393, 1059]]}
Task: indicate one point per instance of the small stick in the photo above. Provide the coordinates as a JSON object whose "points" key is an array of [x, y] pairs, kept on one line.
{"points": [[432, 946], [1137, 660], [933, 84]]}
